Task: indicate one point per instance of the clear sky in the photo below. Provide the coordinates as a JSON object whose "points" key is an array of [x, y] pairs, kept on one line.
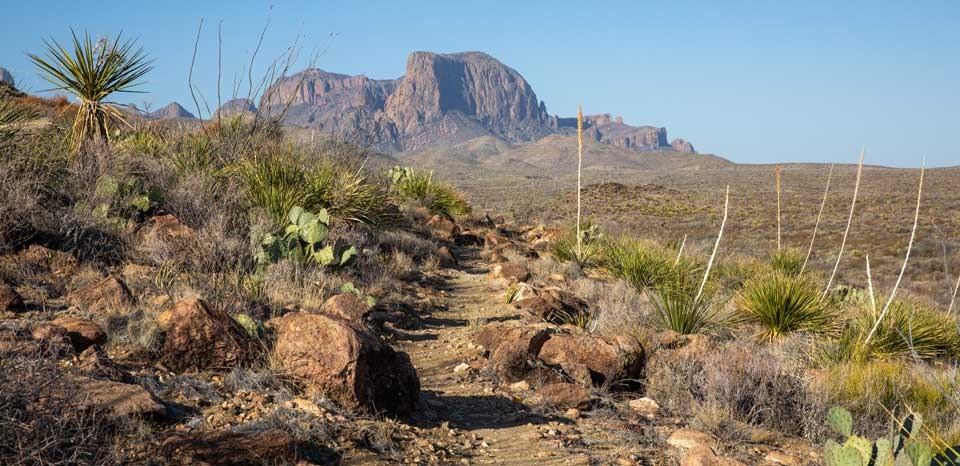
{"points": [[759, 81]]}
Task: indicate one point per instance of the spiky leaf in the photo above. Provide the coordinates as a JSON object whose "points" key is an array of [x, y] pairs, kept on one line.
{"points": [[848, 456]]}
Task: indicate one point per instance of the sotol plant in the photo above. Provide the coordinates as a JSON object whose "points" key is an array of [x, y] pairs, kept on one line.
{"points": [[303, 240], [92, 72], [902, 448]]}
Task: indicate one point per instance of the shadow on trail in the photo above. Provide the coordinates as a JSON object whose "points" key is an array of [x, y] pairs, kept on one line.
{"points": [[474, 412]]}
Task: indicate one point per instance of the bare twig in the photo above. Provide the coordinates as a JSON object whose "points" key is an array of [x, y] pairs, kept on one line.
{"points": [[843, 243], [906, 258], [713, 255], [816, 225], [193, 61]]}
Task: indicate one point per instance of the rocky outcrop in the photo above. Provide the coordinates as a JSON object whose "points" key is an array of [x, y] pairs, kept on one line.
{"points": [[172, 110], [80, 333], [236, 107], [7, 78], [443, 99], [105, 296], [198, 338], [681, 145], [346, 362]]}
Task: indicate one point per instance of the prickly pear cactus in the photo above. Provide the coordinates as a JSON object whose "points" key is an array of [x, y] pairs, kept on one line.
{"points": [[841, 421]]}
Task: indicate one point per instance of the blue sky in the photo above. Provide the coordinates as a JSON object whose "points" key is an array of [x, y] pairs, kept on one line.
{"points": [[760, 81]]}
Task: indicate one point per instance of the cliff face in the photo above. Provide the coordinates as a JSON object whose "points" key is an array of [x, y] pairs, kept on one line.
{"points": [[443, 99]]}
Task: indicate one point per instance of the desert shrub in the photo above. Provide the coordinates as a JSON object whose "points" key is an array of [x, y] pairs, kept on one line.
{"points": [[617, 308], [788, 261], [642, 264], [349, 194], [908, 329], [136, 332], [195, 152], [274, 183], [419, 187], [872, 390], [681, 307], [145, 141], [589, 253], [733, 272], [780, 303]]}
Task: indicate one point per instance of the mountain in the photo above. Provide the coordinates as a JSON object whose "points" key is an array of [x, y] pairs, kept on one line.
{"points": [[236, 106], [172, 110], [6, 77], [442, 100]]}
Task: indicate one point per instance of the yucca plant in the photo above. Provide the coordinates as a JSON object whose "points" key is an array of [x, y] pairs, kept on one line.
{"points": [[92, 71], [275, 184], [789, 261], [681, 306], [584, 247], [12, 115], [908, 330], [782, 303], [419, 186], [641, 264], [348, 194]]}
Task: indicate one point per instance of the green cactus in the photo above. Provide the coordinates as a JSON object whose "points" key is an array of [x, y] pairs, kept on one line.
{"points": [[302, 240], [250, 325], [902, 449]]}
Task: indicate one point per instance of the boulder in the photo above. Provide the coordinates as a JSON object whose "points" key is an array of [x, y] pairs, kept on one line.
{"points": [[593, 360], [347, 306], [241, 448], [107, 295], [10, 300], [93, 362], [505, 273], [513, 349], [346, 362], [443, 227], [43, 259], [197, 338], [493, 239], [81, 333], [118, 399], [553, 305], [563, 396]]}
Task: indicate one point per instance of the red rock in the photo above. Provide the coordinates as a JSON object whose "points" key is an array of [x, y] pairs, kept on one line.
{"points": [[118, 399], [58, 263], [443, 227], [82, 333], [553, 305], [166, 227], [237, 448], [107, 295], [346, 362], [10, 300], [197, 337], [513, 349], [93, 362]]}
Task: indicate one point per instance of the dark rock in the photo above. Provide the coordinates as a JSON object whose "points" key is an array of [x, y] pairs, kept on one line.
{"points": [[118, 399], [197, 338], [563, 396], [10, 300], [242, 448], [93, 362], [81, 333]]}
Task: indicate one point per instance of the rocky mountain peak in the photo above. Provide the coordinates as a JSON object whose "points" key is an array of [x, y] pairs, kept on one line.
{"points": [[7, 77], [171, 110]]}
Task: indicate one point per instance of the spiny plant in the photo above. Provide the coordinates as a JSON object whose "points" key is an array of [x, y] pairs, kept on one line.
{"points": [[641, 264], [302, 241], [787, 260], [126, 199], [908, 330], [419, 186], [12, 115], [781, 303], [683, 307], [583, 246], [92, 72], [275, 184], [901, 448], [349, 195]]}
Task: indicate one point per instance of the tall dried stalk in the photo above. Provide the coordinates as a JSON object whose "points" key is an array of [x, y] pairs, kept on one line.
{"points": [[779, 243], [713, 255], [906, 258], [680, 252], [579, 170], [843, 243], [873, 299], [816, 225], [953, 300]]}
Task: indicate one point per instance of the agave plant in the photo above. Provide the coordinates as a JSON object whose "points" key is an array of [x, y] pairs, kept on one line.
{"points": [[11, 116], [92, 71]]}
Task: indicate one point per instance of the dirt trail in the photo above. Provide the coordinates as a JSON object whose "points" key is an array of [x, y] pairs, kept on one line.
{"points": [[506, 432]]}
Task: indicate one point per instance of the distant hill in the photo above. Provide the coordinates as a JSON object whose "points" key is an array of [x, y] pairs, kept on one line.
{"points": [[172, 110], [441, 101]]}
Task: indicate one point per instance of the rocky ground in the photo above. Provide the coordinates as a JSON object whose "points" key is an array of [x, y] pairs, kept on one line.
{"points": [[460, 378]]}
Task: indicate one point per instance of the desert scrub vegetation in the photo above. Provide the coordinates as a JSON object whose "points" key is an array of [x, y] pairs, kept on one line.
{"points": [[781, 303], [419, 187]]}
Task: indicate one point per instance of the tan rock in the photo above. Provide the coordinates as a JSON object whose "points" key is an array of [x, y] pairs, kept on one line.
{"points": [[118, 399], [603, 359], [347, 306], [166, 227], [93, 362], [443, 227], [703, 456], [645, 407], [686, 439], [780, 457]]}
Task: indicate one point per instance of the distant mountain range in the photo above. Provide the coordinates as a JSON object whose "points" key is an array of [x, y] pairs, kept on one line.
{"points": [[441, 101]]}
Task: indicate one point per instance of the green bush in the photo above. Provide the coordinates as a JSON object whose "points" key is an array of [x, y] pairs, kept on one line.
{"points": [[420, 187], [789, 261], [641, 264], [590, 253], [275, 184], [677, 305], [908, 330], [348, 194], [302, 241], [782, 303]]}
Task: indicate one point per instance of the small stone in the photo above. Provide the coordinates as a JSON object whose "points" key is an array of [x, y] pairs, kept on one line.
{"points": [[462, 367], [645, 407], [519, 386], [572, 413], [780, 457], [686, 439]]}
